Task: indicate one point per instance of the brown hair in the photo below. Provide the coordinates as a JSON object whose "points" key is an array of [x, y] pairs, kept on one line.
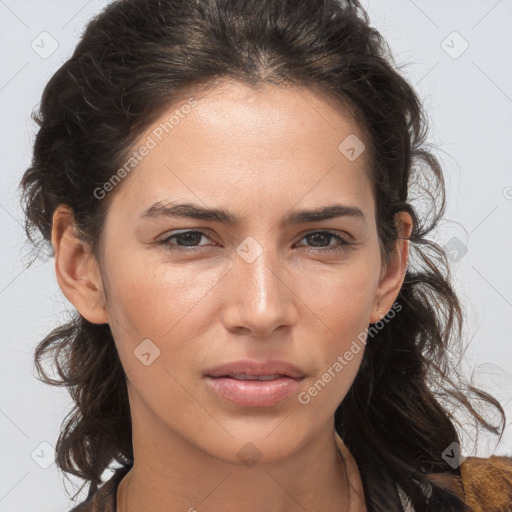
{"points": [[136, 58]]}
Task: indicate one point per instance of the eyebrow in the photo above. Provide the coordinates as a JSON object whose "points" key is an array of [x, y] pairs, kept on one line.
{"points": [[194, 211]]}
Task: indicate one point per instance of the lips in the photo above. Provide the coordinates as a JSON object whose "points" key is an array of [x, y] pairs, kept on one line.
{"points": [[254, 384]]}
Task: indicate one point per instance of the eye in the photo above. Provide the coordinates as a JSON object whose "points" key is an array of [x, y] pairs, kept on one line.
{"points": [[184, 239], [190, 240], [325, 237]]}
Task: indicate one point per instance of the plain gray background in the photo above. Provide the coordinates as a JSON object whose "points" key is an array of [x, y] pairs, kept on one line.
{"points": [[457, 54]]}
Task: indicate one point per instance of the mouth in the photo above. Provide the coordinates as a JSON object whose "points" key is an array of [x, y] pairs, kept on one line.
{"points": [[245, 376], [253, 384], [262, 391], [248, 369]]}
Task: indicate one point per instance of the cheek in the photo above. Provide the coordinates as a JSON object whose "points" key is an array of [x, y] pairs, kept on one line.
{"points": [[342, 304], [342, 300], [160, 310], [150, 298]]}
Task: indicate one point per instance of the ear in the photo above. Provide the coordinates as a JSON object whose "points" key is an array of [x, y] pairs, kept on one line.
{"points": [[393, 273], [76, 268]]}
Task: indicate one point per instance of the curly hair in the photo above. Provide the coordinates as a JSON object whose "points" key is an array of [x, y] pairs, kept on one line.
{"points": [[136, 58]]}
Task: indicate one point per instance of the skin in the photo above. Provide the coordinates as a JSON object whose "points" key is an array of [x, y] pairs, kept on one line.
{"points": [[259, 154]]}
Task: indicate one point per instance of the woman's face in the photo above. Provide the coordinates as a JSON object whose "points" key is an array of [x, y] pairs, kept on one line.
{"points": [[186, 293]]}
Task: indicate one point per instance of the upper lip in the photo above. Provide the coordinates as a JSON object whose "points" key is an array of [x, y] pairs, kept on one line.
{"points": [[256, 368]]}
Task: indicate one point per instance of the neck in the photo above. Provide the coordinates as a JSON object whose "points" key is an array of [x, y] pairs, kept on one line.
{"points": [[169, 471]]}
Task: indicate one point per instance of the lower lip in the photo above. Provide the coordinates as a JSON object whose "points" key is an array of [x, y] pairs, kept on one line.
{"points": [[254, 393]]}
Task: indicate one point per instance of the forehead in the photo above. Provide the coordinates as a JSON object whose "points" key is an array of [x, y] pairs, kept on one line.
{"points": [[270, 116], [231, 136]]}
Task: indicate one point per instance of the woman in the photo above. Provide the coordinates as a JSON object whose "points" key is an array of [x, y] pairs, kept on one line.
{"points": [[225, 186]]}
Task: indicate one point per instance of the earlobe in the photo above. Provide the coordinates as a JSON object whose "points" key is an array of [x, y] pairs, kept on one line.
{"points": [[76, 268], [394, 272]]}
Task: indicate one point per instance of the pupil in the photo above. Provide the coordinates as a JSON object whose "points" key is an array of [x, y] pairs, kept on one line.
{"points": [[190, 237], [315, 236]]}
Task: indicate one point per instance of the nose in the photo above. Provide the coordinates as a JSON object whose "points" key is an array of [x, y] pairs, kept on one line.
{"points": [[259, 296]]}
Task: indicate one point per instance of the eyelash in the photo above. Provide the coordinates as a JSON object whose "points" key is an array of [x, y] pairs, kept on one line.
{"points": [[344, 244]]}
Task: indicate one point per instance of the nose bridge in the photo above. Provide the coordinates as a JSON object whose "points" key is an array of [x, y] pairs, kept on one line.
{"points": [[261, 300], [257, 268]]}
